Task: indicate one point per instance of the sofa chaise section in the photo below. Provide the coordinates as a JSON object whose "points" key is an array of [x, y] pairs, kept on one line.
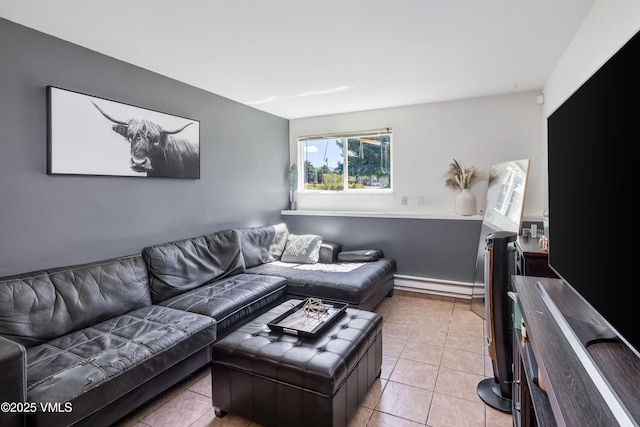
{"points": [[362, 285]]}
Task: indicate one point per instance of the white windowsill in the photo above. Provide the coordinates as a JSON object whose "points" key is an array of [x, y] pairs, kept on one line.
{"points": [[408, 215]]}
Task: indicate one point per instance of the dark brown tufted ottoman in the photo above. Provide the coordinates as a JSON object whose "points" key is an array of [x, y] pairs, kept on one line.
{"points": [[276, 379]]}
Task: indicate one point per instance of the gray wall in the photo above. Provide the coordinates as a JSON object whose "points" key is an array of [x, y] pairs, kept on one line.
{"points": [[53, 220], [429, 248]]}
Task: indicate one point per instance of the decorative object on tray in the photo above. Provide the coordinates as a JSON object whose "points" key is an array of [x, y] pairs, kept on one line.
{"points": [[299, 321], [459, 177], [314, 308], [293, 185]]}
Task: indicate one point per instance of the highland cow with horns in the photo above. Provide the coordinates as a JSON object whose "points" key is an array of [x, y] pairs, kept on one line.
{"points": [[156, 151]]}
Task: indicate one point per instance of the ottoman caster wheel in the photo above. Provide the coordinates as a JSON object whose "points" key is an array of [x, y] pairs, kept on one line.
{"points": [[219, 413]]}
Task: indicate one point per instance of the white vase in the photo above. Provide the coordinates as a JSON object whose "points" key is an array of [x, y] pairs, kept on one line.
{"points": [[465, 203]]}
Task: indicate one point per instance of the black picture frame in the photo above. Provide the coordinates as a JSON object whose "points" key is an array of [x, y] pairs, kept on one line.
{"points": [[90, 135]]}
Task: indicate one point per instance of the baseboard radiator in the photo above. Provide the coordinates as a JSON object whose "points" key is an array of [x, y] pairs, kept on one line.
{"points": [[448, 288]]}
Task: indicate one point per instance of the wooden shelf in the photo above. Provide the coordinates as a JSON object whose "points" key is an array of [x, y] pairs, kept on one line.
{"points": [[401, 215], [574, 398]]}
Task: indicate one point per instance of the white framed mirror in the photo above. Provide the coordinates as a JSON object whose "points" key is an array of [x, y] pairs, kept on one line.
{"points": [[503, 212]]}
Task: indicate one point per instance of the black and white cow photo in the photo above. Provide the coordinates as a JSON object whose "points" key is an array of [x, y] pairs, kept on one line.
{"points": [[95, 136]]}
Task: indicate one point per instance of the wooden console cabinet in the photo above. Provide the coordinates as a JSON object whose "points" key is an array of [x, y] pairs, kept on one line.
{"points": [[572, 397], [531, 406], [530, 259]]}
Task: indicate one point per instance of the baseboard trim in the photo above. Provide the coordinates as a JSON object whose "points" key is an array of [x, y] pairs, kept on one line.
{"points": [[448, 288], [478, 290]]}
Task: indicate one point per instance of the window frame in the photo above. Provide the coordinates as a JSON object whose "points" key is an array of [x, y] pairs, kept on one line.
{"points": [[345, 175]]}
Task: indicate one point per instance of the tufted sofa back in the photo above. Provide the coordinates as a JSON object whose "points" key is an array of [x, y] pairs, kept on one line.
{"points": [[179, 266], [38, 306]]}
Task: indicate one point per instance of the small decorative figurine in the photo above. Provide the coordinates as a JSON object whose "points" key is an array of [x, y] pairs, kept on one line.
{"points": [[543, 243], [314, 308]]}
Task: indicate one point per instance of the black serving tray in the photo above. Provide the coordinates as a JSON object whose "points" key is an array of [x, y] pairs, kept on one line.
{"points": [[296, 322]]}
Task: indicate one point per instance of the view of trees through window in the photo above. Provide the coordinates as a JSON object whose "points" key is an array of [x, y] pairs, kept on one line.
{"points": [[359, 161]]}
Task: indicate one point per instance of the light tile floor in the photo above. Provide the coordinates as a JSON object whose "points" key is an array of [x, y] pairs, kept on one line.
{"points": [[433, 358]]}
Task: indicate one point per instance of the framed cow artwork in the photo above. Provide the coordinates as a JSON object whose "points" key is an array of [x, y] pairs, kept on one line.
{"points": [[88, 135]]}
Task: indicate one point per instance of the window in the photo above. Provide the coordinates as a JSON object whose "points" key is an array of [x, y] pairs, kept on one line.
{"points": [[354, 161]]}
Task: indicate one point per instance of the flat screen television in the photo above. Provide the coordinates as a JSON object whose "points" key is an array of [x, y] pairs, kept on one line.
{"points": [[592, 172]]}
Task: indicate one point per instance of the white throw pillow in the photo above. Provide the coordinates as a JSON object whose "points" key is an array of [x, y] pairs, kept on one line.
{"points": [[302, 248]]}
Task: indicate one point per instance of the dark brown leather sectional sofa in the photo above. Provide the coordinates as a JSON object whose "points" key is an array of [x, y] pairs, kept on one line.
{"points": [[87, 344]]}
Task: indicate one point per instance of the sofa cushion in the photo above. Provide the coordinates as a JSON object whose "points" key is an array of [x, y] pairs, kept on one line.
{"points": [[351, 282], [303, 248], [37, 307], [362, 255], [179, 266], [262, 244], [329, 252], [230, 299], [92, 367]]}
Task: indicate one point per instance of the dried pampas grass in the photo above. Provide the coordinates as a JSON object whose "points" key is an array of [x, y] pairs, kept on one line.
{"points": [[459, 177]]}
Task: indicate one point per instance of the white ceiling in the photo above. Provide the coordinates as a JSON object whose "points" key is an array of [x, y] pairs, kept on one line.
{"points": [[302, 58]]}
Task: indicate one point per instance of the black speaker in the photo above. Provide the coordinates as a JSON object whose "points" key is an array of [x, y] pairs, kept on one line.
{"points": [[499, 264]]}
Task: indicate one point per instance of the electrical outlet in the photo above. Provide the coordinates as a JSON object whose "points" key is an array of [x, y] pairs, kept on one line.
{"points": [[404, 200]]}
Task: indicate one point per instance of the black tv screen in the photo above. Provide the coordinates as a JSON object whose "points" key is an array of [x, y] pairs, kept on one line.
{"points": [[593, 178]]}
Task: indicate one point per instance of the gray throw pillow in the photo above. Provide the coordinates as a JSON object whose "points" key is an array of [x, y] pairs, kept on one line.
{"points": [[302, 248]]}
